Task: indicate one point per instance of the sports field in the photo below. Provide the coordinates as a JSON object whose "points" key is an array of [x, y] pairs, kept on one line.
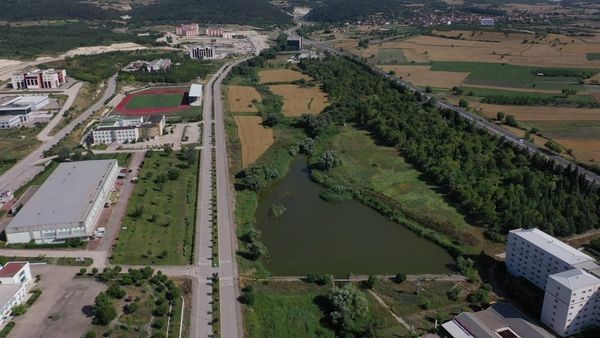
{"points": [[154, 101]]}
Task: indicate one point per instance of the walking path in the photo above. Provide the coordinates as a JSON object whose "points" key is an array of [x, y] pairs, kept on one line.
{"points": [[385, 306]]}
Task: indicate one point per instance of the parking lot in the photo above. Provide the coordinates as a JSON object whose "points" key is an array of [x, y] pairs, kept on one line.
{"points": [[64, 308]]}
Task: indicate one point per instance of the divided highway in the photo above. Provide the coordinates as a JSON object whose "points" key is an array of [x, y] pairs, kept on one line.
{"points": [[476, 119]]}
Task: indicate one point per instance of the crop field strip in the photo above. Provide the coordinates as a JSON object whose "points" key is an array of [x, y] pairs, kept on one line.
{"points": [[241, 99]]}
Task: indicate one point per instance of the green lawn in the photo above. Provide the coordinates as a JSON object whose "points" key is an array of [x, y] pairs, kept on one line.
{"points": [[504, 75], [286, 309], [16, 144], [160, 215], [381, 169], [481, 92], [155, 101], [390, 56], [578, 130]]}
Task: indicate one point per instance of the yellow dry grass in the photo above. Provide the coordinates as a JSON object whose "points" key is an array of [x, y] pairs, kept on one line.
{"points": [[241, 97], [255, 138], [300, 100], [280, 75], [522, 90], [424, 76], [583, 150], [541, 113]]}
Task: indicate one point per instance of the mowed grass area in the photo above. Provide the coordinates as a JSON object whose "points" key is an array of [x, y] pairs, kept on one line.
{"points": [[504, 75], [155, 101], [161, 213], [382, 170], [295, 309], [390, 56]]}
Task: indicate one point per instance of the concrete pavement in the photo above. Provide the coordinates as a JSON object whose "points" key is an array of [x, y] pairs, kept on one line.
{"points": [[71, 96], [24, 170]]}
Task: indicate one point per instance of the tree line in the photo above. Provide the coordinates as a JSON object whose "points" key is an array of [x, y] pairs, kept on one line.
{"points": [[524, 100], [498, 185]]}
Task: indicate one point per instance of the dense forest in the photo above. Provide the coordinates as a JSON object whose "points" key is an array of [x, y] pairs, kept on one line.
{"points": [[494, 183], [31, 10], [351, 10], [252, 12], [30, 41]]}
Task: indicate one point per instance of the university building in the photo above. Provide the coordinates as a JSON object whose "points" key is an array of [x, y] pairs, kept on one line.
{"points": [[39, 79]]}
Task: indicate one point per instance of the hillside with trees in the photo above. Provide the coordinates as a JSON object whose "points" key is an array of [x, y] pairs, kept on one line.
{"points": [[251, 12], [30, 10], [496, 184]]}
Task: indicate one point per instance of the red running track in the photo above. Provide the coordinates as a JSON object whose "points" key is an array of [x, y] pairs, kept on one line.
{"points": [[121, 107]]}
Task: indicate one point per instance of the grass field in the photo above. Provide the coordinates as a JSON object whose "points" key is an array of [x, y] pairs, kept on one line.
{"points": [[593, 56], [255, 138], [424, 76], [504, 75], [155, 101], [280, 75], [381, 169], [160, 215], [241, 99], [390, 56], [16, 144], [300, 100], [286, 310]]}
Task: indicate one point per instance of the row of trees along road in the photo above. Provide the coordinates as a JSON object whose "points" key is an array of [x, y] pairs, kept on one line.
{"points": [[496, 184]]}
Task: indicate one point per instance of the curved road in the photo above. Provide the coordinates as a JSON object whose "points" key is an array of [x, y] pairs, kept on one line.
{"points": [[24, 170]]}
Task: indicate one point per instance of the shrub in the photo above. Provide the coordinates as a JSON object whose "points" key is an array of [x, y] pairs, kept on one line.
{"points": [[400, 277]]}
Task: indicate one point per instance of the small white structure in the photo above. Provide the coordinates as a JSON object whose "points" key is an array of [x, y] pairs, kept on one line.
{"points": [[12, 121], [6, 196], [195, 95], [487, 22], [67, 205], [15, 277]]}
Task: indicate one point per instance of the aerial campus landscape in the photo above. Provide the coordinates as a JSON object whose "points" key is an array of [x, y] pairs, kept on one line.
{"points": [[300, 168]]}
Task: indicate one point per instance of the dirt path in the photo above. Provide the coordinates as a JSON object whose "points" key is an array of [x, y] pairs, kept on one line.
{"points": [[385, 306]]}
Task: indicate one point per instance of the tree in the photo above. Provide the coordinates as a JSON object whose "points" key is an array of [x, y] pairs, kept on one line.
{"points": [[256, 250], [553, 146], [453, 294], [116, 292], [463, 103], [271, 120], [328, 160], [191, 156], [104, 310], [400, 277], [511, 121], [349, 309], [173, 173], [428, 89], [500, 116], [90, 334], [370, 282], [82, 271], [94, 270]]}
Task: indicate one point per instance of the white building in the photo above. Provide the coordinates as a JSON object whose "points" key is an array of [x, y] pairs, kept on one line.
{"points": [[187, 30], [15, 277], [535, 255], [215, 32], [12, 121], [569, 277], [487, 22], [117, 129], [196, 92], [67, 205], [571, 302]]}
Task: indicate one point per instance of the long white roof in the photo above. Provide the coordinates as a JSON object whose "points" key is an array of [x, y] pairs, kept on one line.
{"points": [[553, 246], [196, 90]]}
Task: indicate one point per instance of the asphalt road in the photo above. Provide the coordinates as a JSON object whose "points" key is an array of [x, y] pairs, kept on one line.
{"points": [[24, 170], [476, 119]]}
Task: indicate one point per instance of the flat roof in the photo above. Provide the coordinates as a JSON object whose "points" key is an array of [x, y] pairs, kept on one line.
{"points": [[575, 279], [497, 318], [553, 246], [196, 90], [11, 268], [65, 199], [7, 292]]}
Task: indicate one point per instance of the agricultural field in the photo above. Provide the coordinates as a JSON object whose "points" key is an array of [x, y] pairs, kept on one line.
{"points": [[299, 100], [382, 170], [423, 76], [280, 75], [255, 138], [161, 213], [541, 113], [242, 98]]}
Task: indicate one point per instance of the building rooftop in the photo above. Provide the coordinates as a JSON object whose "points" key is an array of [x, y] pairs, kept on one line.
{"points": [[575, 279], [11, 268], [78, 184], [553, 246], [499, 320], [196, 90], [8, 291]]}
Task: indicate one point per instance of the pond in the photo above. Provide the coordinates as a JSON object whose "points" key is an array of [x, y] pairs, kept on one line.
{"points": [[338, 238]]}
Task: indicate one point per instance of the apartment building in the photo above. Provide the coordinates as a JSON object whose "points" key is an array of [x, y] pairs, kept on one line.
{"points": [[569, 278], [571, 302], [535, 255], [215, 32], [187, 30]]}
